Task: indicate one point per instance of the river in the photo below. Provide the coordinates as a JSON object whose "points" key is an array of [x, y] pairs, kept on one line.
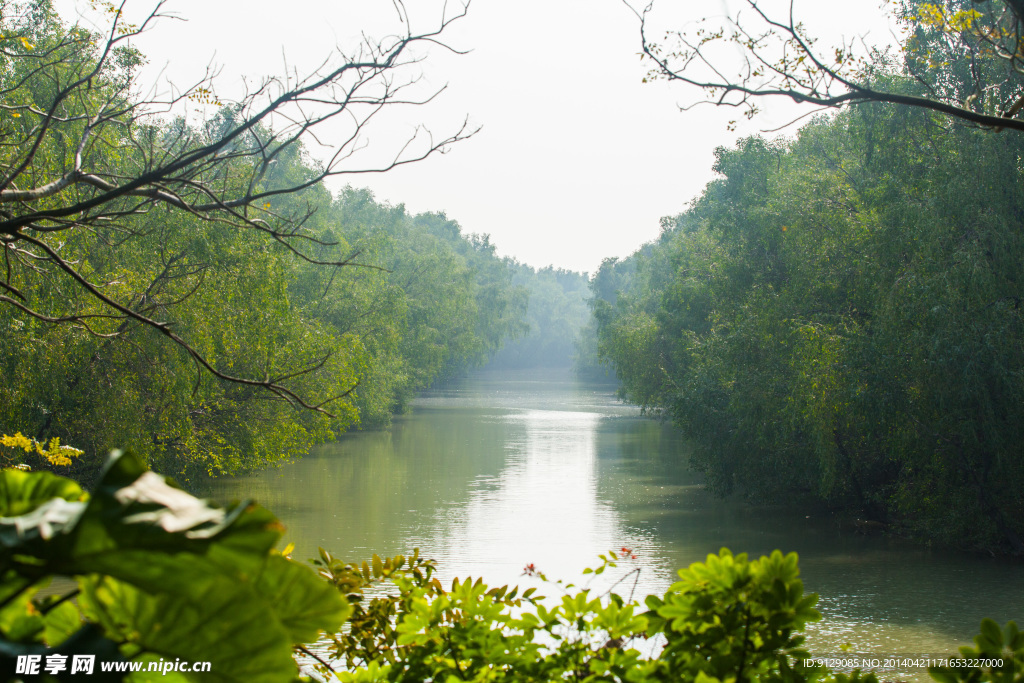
{"points": [[503, 470]]}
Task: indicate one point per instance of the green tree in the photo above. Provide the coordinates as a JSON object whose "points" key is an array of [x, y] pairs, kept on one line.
{"points": [[85, 163], [556, 312], [836, 317], [194, 290]]}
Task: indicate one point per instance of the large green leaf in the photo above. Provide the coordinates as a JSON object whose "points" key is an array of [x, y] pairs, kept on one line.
{"points": [[88, 639], [19, 622], [133, 507], [40, 531], [34, 508], [61, 622], [131, 513], [166, 574], [231, 627], [304, 602], [21, 492]]}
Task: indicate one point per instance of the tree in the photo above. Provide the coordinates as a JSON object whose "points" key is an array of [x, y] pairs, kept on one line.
{"points": [[88, 170], [962, 59], [838, 317]]}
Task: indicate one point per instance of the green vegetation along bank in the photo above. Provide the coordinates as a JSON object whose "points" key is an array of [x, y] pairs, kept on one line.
{"points": [[838, 316]]}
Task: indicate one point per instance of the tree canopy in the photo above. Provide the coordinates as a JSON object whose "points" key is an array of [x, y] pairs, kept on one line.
{"points": [[189, 287], [838, 317]]}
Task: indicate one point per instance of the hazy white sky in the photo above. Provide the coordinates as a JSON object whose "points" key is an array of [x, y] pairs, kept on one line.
{"points": [[576, 160]]}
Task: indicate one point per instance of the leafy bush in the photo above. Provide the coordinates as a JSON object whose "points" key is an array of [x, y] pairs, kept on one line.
{"points": [[727, 619]]}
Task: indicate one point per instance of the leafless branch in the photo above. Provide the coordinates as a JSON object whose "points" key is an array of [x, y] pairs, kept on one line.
{"points": [[781, 61]]}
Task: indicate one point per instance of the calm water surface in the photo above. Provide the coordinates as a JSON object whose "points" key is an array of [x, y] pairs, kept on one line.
{"points": [[503, 470]]}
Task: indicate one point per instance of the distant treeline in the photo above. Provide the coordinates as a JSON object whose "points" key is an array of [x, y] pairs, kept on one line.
{"points": [[839, 316], [556, 313]]}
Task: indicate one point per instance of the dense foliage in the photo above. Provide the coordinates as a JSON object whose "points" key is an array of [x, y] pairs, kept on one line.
{"points": [[229, 315], [727, 619], [839, 315], [424, 304], [164, 577]]}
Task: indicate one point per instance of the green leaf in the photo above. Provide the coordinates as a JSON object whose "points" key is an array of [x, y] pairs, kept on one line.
{"points": [[167, 574], [303, 602], [130, 528], [157, 676], [20, 621], [1014, 636], [21, 492], [231, 627], [991, 635], [943, 674], [62, 622]]}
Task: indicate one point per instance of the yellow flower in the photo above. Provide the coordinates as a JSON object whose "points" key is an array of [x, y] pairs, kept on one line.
{"points": [[19, 440], [54, 453]]}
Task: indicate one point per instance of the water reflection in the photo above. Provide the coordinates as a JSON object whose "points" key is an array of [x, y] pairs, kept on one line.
{"points": [[544, 495], [503, 471]]}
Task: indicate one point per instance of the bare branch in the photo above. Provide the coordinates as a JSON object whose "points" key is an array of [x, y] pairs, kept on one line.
{"points": [[780, 61]]}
